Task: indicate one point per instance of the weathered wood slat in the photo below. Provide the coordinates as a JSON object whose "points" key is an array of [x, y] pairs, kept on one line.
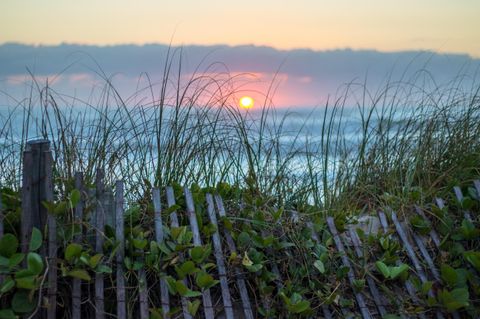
{"points": [[420, 241], [241, 285], [408, 248], [78, 221], [408, 284], [26, 224], [459, 196], [99, 240], [197, 241], [159, 237], [120, 237], [222, 271], [411, 254], [175, 223], [433, 234], [326, 311], [379, 302], [143, 292], [351, 276], [476, 184], [52, 240]]}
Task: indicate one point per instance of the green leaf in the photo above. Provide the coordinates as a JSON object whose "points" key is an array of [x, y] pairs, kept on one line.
{"points": [[185, 269], [73, 251], [205, 280], [139, 243], [103, 269], [15, 259], [455, 299], [473, 257], [8, 245], [21, 303], [384, 270], [35, 263], [449, 275], [254, 268], [8, 284], [26, 282], [184, 291], [7, 314], [320, 266], [75, 197], [94, 260], [80, 274], [398, 270], [35, 240], [192, 307], [200, 253], [468, 230]]}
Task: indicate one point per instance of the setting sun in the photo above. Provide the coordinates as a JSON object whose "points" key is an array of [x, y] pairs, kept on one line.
{"points": [[246, 102]]}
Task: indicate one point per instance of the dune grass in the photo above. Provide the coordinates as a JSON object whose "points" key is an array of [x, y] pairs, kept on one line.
{"points": [[409, 135]]}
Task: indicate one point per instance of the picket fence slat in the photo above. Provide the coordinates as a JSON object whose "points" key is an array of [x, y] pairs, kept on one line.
{"points": [[99, 240], [78, 221], [218, 252], [120, 237], [52, 240], [197, 241], [408, 284], [351, 276], [159, 236], [379, 302], [174, 222], [241, 285]]}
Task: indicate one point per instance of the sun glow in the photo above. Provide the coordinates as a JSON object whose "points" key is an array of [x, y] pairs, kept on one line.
{"points": [[246, 102]]}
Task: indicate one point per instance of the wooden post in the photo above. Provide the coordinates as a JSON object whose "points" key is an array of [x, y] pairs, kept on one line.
{"points": [[99, 225], [33, 191], [159, 236], [120, 237], [78, 221]]}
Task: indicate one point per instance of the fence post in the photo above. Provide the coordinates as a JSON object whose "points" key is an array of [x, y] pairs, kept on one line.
{"points": [[33, 190], [36, 188], [100, 228]]}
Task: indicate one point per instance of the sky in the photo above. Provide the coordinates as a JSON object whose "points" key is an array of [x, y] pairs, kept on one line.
{"points": [[385, 25], [310, 47]]}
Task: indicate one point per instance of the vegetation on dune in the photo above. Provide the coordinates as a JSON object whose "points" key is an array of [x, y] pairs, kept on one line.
{"points": [[400, 145]]}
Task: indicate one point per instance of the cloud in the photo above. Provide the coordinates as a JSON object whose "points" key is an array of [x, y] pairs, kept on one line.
{"points": [[302, 75]]}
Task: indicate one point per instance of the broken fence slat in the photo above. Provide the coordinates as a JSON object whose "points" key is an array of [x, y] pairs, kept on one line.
{"points": [[222, 271], [120, 236], [159, 236], [241, 285], [175, 223], [371, 283], [351, 277], [197, 241]]}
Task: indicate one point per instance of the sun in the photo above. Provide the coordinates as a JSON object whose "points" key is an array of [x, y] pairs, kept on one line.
{"points": [[246, 102]]}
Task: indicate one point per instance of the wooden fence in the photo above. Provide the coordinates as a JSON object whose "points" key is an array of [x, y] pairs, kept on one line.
{"points": [[234, 296]]}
